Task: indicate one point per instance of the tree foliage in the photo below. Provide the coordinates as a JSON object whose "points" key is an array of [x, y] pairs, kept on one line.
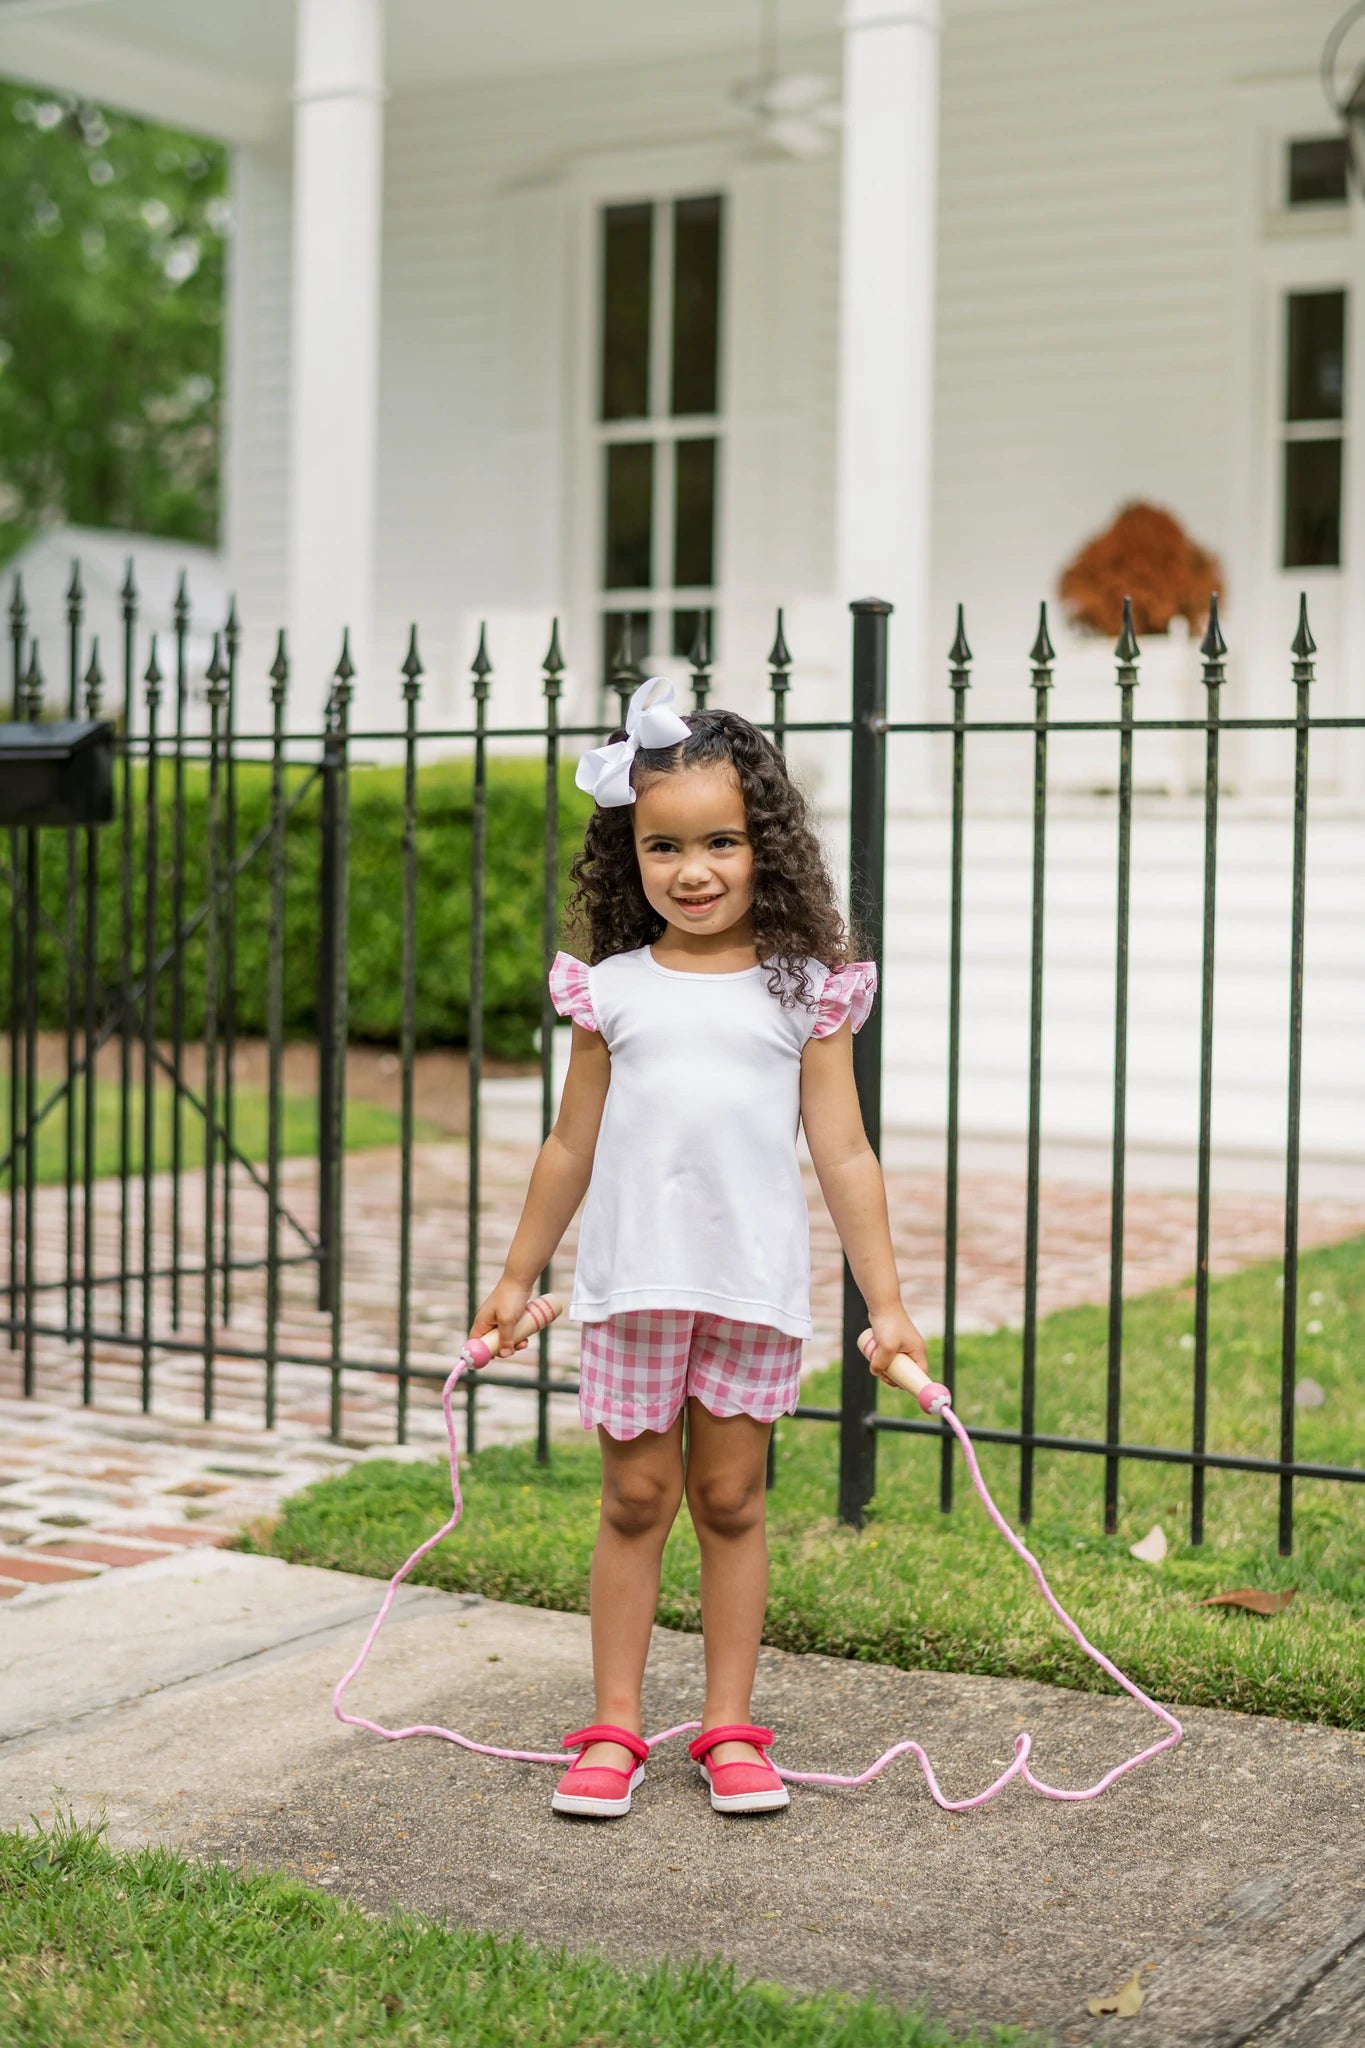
{"points": [[111, 320]]}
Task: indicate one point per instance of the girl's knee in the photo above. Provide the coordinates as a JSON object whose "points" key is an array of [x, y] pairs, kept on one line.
{"points": [[638, 1500], [726, 1503]]}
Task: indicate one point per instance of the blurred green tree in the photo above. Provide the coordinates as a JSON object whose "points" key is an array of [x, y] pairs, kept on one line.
{"points": [[111, 320]]}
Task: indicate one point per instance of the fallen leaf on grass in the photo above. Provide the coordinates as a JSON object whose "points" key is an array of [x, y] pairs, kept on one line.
{"points": [[1122, 2003], [1152, 1548], [1252, 1598]]}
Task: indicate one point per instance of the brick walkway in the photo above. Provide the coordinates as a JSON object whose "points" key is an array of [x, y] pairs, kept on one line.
{"points": [[86, 1489]]}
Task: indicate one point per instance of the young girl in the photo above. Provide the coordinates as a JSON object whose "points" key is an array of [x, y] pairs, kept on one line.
{"points": [[716, 1011]]}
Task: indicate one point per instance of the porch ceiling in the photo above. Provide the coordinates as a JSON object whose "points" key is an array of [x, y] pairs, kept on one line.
{"points": [[227, 70]]}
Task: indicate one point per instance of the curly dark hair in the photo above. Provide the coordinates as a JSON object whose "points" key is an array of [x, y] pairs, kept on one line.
{"points": [[795, 912]]}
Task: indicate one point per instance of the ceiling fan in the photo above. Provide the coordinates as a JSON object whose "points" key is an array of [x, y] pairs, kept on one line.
{"points": [[797, 113]]}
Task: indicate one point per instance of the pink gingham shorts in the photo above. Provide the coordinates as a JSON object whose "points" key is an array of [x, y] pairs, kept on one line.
{"points": [[637, 1369]]}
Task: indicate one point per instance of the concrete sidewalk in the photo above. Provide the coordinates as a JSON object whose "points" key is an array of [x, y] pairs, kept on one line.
{"points": [[189, 1701]]}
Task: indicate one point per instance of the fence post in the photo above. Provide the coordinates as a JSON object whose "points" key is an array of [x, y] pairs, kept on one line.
{"points": [[18, 616], [1303, 648], [866, 895], [326, 988], [339, 1013], [32, 712]]}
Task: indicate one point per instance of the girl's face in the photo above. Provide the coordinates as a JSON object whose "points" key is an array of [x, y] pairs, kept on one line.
{"points": [[696, 857]]}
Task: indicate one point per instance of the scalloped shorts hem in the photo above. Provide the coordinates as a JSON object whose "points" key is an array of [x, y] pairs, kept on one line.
{"points": [[638, 1369]]}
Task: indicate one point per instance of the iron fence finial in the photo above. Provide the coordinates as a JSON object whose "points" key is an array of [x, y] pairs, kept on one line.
{"points": [[94, 679], [33, 685], [279, 670], [626, 673], [481, 668], [215, 675], [1213, 646], [1126, 649], [152, 676], [553, 665], [699, 653], [960, 656], [412, 670], [1042, 654], [344, 672]]}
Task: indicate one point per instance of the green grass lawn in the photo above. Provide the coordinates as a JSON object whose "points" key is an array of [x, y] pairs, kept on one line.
{"points": [[153, 1951], [366, 1125], [922, 1590]]}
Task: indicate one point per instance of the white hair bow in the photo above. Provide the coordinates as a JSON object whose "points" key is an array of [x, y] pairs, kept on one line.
{"points": [[605, 771]]}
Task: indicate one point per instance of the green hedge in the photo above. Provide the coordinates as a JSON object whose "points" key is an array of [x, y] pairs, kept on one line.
{"points": [[512, 902]]}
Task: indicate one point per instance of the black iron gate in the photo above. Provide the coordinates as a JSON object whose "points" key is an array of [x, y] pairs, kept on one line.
{"points": [[237, 1264]]}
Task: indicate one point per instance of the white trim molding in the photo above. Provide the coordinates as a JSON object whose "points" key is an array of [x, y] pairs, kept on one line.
{"points": [[334, 376], [926, 14], [887, 322], [184, 95]]}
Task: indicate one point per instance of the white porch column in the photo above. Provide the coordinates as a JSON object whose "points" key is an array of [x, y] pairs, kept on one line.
{"points": [[886, 324], [334, 372]]}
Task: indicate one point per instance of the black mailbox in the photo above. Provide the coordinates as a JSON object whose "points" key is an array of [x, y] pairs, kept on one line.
{"points": [[60, 773]]}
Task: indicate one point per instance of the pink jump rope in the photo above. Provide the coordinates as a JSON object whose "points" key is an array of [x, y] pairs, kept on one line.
{"points": [[934, 1400]]}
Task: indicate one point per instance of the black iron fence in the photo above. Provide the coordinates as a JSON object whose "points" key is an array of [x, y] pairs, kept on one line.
{"points": [[237, 1264]]}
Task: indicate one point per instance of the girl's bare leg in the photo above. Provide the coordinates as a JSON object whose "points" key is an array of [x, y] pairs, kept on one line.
{"points": [[726, 1467], [642, 1486]]}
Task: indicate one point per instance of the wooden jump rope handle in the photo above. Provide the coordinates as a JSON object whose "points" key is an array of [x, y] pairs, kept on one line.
{"points": [[932, 1397], [477, 1351]]}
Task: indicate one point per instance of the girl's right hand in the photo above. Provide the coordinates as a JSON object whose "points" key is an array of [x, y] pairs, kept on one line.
{"points": [[502, 1311]]}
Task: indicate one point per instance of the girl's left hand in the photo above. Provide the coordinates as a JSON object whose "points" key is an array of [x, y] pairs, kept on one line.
{"points": [[894, 1332]]}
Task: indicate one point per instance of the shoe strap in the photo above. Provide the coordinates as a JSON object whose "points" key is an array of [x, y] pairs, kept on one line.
{"points": [[701, 1745], [603, 1731]]}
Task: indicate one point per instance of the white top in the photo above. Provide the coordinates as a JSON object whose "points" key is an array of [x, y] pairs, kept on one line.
{"points": [[696, 1199]]}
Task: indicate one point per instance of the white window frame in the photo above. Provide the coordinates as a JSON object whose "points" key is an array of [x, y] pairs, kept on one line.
{"points": [[1338, 429], [1279, 249], [657, 178]]}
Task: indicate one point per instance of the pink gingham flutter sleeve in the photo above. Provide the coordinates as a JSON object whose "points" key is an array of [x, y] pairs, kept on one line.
{"points": [[570, 991], [848, 992]]}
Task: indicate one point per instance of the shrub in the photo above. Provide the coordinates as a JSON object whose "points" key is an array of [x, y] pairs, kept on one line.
{"points": [[1147, 555], [512, 902]]}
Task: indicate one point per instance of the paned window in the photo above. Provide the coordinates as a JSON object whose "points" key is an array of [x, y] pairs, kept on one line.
{"points": [[659, 428], [1313, 429], [1315, 171]]}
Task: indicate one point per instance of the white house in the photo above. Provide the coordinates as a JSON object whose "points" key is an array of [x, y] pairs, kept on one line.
{"points": [[570, 310]]}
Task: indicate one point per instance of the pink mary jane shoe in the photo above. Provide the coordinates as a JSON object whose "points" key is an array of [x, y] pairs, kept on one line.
{"points": [[740, 1788], [599, 1791]]}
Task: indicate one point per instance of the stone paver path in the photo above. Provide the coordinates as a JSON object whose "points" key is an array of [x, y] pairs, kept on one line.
{"points": [[84, 1489]]}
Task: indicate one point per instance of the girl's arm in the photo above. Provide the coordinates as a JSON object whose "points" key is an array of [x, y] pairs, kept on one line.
{"points": [[559, 1181], [850, 1177]]}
